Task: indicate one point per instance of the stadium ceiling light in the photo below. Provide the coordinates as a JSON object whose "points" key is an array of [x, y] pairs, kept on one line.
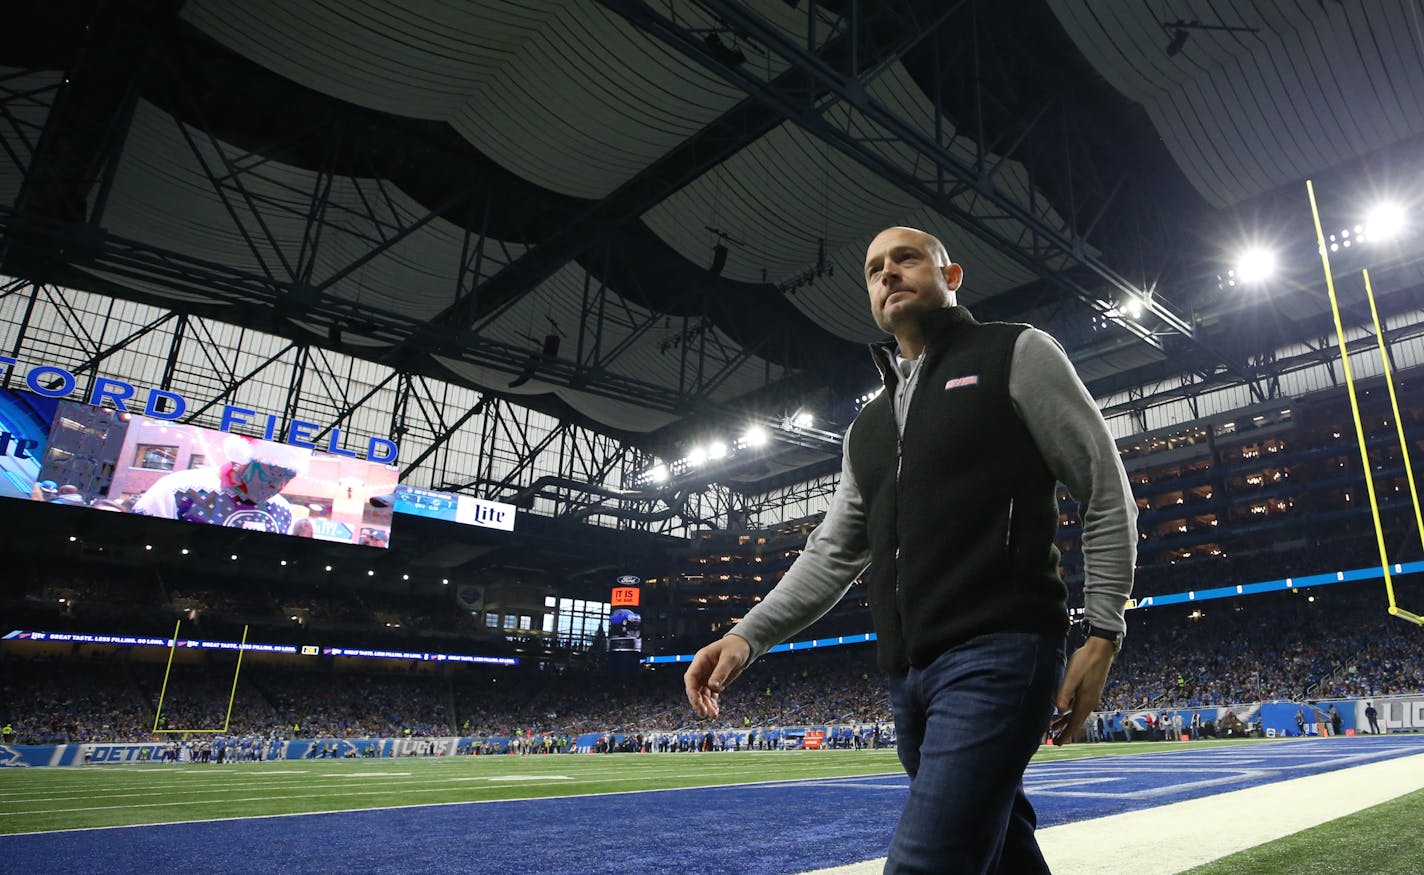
{"points": [[1386, 221], [716, 450], [73, 538], [370, 573], [328, 568], [1134, 307], [405, 577], [698, 456], [1255, 265], [803, 419], [284, 562], [148, 546], [658, 473], [233, 557], [445, 580], [184, 551], [755, 436]]}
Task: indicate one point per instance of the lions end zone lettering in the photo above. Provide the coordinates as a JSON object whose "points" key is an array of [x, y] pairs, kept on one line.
{"points": [[160, 404]]}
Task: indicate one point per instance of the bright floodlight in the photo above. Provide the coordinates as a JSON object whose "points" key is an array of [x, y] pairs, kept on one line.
{"points": [[658, 473], [1134, 307], [1385, 221], [1255, 265], [803, 420], [754, 436], [697, 457], [716, 450]]}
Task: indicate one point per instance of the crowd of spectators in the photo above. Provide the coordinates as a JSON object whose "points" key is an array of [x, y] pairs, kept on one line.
{"points": [[1314, 644]]}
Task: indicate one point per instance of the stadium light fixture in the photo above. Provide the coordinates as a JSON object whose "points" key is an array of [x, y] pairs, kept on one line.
{"points": [[1255, 265], [658, 473], [232, 558], [148, 546], [445, 581], [405, 577], [698, 456], [328, 568], [184, 551], [755, 436], [803, 419], [72, 538], [284, 562], [716, 450], [1386, 221], [370, 573], [1134, 307]]}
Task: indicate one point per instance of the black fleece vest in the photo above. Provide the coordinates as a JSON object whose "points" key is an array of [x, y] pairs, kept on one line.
{"points": [[962, 510]]}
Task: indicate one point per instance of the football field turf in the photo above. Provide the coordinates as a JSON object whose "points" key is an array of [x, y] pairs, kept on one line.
{"points": [[96, 796], [782, 812]]}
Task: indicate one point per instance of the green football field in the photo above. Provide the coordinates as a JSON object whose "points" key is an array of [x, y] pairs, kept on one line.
{"points": [[96, 796], [1386, 838]]}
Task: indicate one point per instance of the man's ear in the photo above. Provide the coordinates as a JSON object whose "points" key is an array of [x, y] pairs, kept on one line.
{"points": [[953, 276]]}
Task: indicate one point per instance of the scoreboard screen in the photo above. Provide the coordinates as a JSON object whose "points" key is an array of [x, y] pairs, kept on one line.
{"points": [[625, 623], [64, 452]]}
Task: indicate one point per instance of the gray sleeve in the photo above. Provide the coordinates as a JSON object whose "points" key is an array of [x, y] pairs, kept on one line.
{"points": [[1070, 431], [835, 555]]}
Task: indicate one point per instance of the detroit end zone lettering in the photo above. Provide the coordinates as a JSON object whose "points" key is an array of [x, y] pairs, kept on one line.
{"points": [[50, 381]]}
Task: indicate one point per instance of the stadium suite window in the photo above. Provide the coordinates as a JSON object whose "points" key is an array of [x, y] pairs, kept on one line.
{"points": [[197, 460], [155, 457]]}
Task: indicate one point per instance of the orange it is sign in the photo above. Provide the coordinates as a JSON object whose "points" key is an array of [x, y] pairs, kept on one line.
{"points": [[625, 596]]}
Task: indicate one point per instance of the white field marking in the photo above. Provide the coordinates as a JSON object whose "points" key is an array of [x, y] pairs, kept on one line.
{"points": [[265, 798], [840, 782], [328, 811], [1182, 835], [168, 782], [405, 787], [332, 781], [1044, 787], [529, 778], [327, 778], [1236, 777], [1230, 776]]}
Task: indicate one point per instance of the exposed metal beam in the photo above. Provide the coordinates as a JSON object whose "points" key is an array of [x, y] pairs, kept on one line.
{"points": [[1058, 256]]}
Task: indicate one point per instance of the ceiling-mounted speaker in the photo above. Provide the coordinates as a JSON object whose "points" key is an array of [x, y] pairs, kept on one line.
{"points": [[719, 259]]}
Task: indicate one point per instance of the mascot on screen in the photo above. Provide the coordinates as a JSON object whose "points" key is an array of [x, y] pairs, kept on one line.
{"points": [[242, 492]]}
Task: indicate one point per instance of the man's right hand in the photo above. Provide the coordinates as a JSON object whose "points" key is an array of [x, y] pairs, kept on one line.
{"points": [[713, 669]]}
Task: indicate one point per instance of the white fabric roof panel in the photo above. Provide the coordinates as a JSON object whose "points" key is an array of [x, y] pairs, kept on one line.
{"points": [[1319, 85], [20, 131], [162, 196], [628, 416], [418, 59], [559, 300], [606, 99], [776, 197]]}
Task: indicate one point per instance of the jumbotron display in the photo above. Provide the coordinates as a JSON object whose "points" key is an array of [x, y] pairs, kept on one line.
{"points": [[64, 452]]}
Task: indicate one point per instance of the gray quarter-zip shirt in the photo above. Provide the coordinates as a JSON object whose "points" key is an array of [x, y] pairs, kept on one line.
{"points": [[1070, 432]]}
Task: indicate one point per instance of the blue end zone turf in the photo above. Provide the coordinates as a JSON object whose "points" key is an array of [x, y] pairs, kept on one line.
{"points": [[782, 827]]}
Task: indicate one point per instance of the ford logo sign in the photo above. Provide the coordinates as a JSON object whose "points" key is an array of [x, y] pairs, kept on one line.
{"points": [[629, 580]]}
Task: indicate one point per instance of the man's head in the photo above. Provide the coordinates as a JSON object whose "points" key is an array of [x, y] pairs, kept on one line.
{"points": [[908, 274], [262, 469]]}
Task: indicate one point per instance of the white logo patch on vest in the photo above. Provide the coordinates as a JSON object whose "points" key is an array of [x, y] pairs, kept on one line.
{"points": [[961, 382]]}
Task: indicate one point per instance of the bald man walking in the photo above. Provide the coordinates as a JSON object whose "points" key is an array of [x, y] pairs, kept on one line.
{"points": [[948, 492]]}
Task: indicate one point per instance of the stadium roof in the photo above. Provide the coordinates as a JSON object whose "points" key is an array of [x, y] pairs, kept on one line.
{"points": [[647, 214]]}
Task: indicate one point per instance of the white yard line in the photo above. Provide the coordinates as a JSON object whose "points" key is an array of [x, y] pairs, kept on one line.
{"points": [[1181, 835]]}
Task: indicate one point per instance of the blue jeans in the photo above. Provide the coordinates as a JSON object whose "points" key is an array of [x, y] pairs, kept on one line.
{"points": [[966, 726]]}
